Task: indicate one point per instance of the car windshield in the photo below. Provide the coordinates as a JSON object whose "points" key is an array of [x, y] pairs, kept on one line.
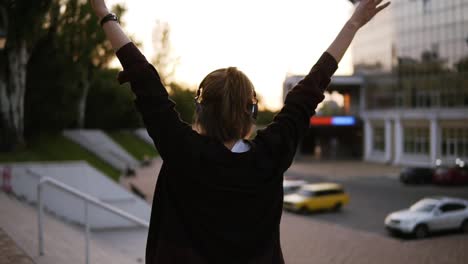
{"points": [[305, 193], [423, 206]]}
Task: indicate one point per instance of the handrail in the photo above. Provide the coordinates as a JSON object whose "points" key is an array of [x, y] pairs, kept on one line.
{"points": [[87, 199]]}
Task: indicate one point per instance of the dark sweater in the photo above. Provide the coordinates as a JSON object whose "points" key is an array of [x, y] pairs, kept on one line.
{"points": [[212, 205]]}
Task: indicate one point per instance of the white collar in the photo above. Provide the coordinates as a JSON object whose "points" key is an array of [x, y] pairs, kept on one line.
{"points": [[240, 147]]}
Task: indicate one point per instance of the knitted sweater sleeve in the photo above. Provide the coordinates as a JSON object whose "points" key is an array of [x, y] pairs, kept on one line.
{"points": [[162, 121], [282, 136]]}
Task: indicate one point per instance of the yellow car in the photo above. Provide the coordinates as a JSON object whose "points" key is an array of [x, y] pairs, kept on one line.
{"points": [[314, 197]]}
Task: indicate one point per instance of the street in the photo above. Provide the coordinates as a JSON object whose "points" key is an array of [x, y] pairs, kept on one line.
{"points": [[372, 199], [357, 233]]}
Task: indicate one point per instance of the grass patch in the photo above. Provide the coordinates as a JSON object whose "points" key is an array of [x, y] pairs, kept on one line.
{"points": [[56, 147], [133, 144]]}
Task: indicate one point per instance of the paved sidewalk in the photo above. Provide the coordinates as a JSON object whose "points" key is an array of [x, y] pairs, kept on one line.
{"points": [[341, 169], [305, 241], [144, 179], [63, 243], [10, 253]]}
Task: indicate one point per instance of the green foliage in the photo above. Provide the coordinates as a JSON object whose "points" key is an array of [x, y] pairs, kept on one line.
{"points": [[110, 105], [70, 57], [24, 20], [134, 145], [163, 60], [184, 101], [55, 147], [265, 117], [50, 101]]}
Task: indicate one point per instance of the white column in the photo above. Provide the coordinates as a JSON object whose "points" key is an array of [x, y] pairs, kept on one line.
{"points": [[362, 99], [368, 134], [398, 141], [388, 140], [435, 140]]}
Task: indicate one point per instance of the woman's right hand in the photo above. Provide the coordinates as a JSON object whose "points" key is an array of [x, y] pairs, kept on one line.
{"points": [[365, 11], [100, 8]]}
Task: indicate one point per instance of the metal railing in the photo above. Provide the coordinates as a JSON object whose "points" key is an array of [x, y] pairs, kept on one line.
{"points": [[88, 199]]}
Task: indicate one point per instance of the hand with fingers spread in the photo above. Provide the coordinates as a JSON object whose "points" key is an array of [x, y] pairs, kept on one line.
{"points": [[366, 10], [100, 8]]}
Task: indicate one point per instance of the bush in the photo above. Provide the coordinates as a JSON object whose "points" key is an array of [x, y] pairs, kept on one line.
{"points": [[110, 105]]}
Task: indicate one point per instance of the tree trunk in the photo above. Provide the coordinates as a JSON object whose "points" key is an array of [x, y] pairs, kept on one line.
{"points": [[84, 86], [12, 91]]}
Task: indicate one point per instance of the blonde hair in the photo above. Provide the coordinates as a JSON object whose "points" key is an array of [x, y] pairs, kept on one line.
{"points": [[225, 99]]}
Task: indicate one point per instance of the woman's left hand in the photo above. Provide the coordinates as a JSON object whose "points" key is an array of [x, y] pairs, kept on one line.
{"points": [[100, 8], [366, 10]]}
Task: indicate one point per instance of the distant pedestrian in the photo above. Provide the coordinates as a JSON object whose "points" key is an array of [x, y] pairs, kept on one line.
{"points": [[219, 196]]}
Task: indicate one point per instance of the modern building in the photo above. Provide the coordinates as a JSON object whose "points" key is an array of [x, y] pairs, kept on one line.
{"points": [[412, 97], [338, 132], [414, 59]]}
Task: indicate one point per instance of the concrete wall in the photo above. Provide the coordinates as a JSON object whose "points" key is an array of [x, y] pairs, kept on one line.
{"points": [[142, 133], [104, 147], [85, 178]]}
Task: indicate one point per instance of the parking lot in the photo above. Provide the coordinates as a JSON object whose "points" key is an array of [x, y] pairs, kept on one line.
{"points": [[373, 198], [357, 233]]}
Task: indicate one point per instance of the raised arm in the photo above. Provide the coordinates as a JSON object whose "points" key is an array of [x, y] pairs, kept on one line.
{"points": [[283, 135], [112, 29], [170, 135], [364, 12]]}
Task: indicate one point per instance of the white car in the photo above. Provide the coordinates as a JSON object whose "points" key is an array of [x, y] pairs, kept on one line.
{"points": [[290, 186], [429, 215]]}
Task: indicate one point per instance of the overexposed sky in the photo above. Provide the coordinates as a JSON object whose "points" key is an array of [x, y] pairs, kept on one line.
{"points": [[265, 39]]}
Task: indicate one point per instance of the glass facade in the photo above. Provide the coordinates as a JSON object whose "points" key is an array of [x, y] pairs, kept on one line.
{"points": [[415, 55], [379, 139], [455, 142], [416, 140]]}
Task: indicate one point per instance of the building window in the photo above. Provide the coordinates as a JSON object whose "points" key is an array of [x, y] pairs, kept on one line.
{"points": [[379, 139], [416, 140], [455, 142]]}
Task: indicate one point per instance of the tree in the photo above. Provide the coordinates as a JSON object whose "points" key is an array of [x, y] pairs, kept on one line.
{"points": [[119, 110], [183, 98], [164, 60], [85, 43], [22, 20]]}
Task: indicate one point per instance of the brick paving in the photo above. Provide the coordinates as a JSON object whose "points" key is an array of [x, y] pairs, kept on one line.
{"points": [[63, 243], [307, 241], [10, 253], [144, 179]]}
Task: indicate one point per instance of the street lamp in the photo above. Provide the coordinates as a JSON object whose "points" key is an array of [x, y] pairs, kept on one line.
{"points": [[2, 39]]}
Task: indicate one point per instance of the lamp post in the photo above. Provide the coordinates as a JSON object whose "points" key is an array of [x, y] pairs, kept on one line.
{"points": [[2, 39]]}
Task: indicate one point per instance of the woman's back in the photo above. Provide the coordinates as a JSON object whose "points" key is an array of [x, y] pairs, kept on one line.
{"points": [[210, 203], [227, 204]]}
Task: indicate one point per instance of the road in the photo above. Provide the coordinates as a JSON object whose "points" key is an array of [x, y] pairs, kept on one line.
{"points": [[356, 235], [373, 198]]}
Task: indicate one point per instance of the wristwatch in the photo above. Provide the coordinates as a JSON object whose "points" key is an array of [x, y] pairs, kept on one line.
{"points": [[109, 17]]}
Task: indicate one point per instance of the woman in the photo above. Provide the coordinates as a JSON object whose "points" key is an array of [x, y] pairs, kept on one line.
{"points": [[218, 197]]}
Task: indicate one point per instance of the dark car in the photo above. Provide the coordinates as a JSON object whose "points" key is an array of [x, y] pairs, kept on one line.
{"points": [[416, 175], [451, 175]]}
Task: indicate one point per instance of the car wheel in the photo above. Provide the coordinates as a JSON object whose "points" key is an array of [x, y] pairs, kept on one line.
{"points": [[464, 226], [337, 207], [303, 210], [421, 231]]}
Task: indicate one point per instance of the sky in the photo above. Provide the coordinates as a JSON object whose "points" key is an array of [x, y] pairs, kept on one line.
{"points": [[266, 39]]}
